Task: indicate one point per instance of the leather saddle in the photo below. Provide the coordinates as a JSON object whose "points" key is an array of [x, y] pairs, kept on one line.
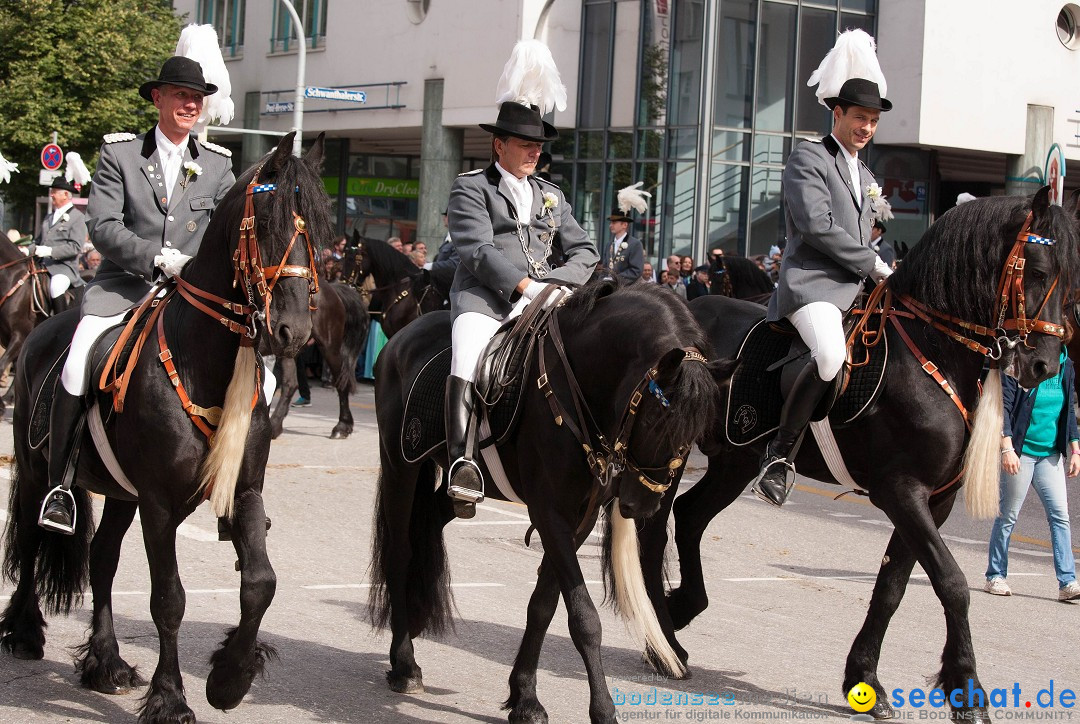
{"points": [[771, 357], [505, 364]]}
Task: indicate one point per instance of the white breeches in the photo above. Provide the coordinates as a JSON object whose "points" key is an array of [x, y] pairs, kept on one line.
{"points": [[73, 378], [821, 326], [58, 284], [471, 333]]}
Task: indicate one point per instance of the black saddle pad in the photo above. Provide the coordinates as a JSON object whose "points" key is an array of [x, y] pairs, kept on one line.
{"points": [[423, 428], [755, 400]]}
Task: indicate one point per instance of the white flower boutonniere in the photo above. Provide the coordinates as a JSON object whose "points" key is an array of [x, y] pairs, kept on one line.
{"points": [[65, 217], [190, 169], [622, 246], [880, 209], [550, 200]]}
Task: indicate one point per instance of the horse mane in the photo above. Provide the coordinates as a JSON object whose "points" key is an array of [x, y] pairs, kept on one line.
{"points": [[747, 278], [390, 260], [956, 266]]}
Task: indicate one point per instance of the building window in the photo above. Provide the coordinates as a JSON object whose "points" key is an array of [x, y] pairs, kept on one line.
{"points": [[312, 14], [1067, 21], [227, 17]]}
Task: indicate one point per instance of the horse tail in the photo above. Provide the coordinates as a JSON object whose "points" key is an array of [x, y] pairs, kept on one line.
{"points": [[63, 561], [428, 599], [221, 467], [631, 599], [353, 336], [982, 464]]}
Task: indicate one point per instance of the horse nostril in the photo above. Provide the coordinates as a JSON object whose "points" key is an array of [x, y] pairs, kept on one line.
{"points": [[284, 334], [1041, 369]]}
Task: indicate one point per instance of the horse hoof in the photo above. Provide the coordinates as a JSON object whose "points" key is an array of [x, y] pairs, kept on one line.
{"points": [[531, 714], [111, 689], [882, 709], [405, 684], [24, 650], [339, 434]]}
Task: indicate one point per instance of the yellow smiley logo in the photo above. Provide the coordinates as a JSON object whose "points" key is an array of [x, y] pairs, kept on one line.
{"points": [[862, 697]]}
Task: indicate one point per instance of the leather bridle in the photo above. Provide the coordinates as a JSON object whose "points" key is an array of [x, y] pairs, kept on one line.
{"points": [[355, 279], [608, 459]]}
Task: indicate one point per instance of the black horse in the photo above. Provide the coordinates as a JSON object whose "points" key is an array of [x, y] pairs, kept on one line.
{"points": [[163, 453], [24, 302], [402, 291], [741, 278], [543, 459], [339, 325], [908, 450]]}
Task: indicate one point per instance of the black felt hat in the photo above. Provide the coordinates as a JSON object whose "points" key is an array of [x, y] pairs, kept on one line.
{"points": [[521, 121], [180, 71], [618, 214], [64, 185], [860, 92]]}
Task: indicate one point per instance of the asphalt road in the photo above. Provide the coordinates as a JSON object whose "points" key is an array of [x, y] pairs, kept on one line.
{"points": [[788, 591]]}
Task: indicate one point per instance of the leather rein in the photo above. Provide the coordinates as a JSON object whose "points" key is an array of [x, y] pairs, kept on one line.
{"points": [[256, 279], [29, 274]]}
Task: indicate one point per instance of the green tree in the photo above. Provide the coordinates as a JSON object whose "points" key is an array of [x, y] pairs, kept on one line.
{"points": [[74, 67]]}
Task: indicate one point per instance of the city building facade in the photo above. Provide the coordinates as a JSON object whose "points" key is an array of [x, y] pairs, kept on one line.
{"points": [[701, 100]]}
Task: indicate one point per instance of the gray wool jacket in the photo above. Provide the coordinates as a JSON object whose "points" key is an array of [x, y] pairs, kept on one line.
{"points": [[131, 219], [828, 250], [484, 231], [66, 238]]}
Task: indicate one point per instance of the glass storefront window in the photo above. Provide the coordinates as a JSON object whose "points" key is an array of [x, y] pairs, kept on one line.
{"points": [[683, 143], [776, 74], [624, 69], [655, 54], [730, 146], [817, 35], [684, 89], [678, 222], [766, 211], [850, 21], [590, 195], [735, 64], [727, 193], [771, 149], [867, 6], [595, 65], [620, 144], [650, 144], [591, 145]]}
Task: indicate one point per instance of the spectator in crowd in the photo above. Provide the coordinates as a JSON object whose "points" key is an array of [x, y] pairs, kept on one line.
{"points": [[647, 273], [420, 247], [338, 252], [672, 281], [1039, 436], [698, 285], [686, 269], [883, 248], [418, 258], [406, 249], [395, 242], [90, 263]]}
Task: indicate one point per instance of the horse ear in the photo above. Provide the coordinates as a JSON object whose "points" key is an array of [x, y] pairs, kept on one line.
{"points": [[284, 148], [314, 156], [355, 237], [1040, 205], [669, 364]]}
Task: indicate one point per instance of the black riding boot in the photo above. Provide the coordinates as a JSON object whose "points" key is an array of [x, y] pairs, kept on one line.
{"points": [[59, 304], [771, 483], [65, 433], [466, 484]]}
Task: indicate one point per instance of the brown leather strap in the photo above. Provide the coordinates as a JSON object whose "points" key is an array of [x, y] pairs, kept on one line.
{"points": [[117, 382], [23, 260], [14, 288], [931, 369]]}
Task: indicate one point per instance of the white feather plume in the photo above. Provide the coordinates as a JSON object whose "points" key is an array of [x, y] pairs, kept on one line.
{"points": [[200, 43], [633, 197], [531, 78], [6, 169], [853, 56], [76, 170]]}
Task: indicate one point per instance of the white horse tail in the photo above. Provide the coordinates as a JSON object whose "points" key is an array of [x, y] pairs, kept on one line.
{"points": [[222, 465], [982, 459], [633, 601]]}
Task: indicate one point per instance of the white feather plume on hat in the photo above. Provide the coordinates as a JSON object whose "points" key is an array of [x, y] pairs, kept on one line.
{"points": [[6, 169], [853, 56], [633, 197], [200, 43], [76, 170], [531, 78]]}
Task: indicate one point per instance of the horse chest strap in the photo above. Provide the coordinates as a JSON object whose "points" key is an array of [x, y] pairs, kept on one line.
{"points": [[932, 369]]}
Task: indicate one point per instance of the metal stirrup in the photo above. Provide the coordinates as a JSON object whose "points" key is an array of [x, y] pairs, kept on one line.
{"points": [[42, 521], [467, 494]]}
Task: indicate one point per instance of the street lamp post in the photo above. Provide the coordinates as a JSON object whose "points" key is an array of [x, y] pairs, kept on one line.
{"points": [[301, 55]]}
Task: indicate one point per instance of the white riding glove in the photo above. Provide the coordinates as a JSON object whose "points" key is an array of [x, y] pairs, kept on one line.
{"points": [[882, 271], [533, 288], [43, 251], [170, 261]]}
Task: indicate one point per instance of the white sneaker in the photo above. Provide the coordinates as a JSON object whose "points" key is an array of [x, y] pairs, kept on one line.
{"points": [[998, 587], [1069, 592]]}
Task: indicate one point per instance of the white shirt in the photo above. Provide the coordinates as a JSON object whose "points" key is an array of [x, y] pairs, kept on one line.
{"points": [[61, 211], [172, 157], [521, 190], [853, 169]]}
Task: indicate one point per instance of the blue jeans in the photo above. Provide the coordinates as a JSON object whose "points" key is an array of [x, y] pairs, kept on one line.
{"points": [[1047, 475]]}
